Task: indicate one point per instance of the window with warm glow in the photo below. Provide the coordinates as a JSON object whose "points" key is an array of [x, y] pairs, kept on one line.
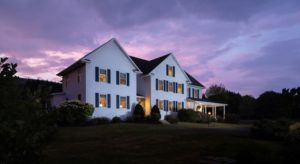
{"points": [[123, 102], [160, 85], [161, 104], [179, 105], [196, 93], [103, 102], [179, 88], [170, 106], [170, 71], [170, 87], [103, 75], [123, 79]]}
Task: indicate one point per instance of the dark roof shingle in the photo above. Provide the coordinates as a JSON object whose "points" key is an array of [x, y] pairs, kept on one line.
{"points": [[194, 81], [146, 66]]}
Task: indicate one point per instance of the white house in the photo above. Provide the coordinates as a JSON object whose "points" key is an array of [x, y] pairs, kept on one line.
{"points": [[114, 83]]}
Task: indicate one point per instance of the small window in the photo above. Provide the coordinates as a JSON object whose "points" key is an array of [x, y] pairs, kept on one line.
{"points": [[196, 93], [170, 106], [103, 75], [179, 88], [161, 104], [123, 102], [179, 105], [123, 79], [170, 87], [103, 101], [170, 71], [79, 97], [160, 85]]}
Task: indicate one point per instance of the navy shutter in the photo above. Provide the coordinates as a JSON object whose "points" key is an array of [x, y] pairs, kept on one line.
{"points": [[167, 86], [108, 100], [96, 99], [182, 105], [174, 87], [167, 104], [128, 79], [117, 77], [174, 106], [157, 102], [182, 89], [189, 92], [117, 101], [128, 102], [167, 69], [156, 84], [173, 71], [97, 73], [108, 75], [198, 94], [193, 92]]}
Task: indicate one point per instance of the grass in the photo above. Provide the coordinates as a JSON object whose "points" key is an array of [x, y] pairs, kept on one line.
{"points": [[143, 143]]}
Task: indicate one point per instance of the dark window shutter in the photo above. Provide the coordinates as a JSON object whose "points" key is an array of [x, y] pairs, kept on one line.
{"points": [[117, 77], [193, 92], [174, 87], [167, 105], [198, 93], [97, 73], [167, 86], [182, 105], [108, 100], [182, 89], [173, 71], [108, 75], [156, 84], [157, 102], [167, 69], [128, 102], [117, 101], [96, 100], [189, 92], [174, 106], [128, 79]]}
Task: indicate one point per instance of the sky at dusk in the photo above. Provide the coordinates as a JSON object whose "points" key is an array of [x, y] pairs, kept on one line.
{"points": [[250, 46]]}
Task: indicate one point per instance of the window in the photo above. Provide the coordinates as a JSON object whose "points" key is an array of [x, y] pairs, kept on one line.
{"points": [[196, 93], [123, 102], [79, 97], [160, 85], [179, 105], [103, 75], [161, 104], [123, 79], [179, 88], [170, 106], [103, 101], [170, 71], [170, 87]]}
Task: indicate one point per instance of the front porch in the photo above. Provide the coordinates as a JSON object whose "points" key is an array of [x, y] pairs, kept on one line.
{"points": [[211, 108]]}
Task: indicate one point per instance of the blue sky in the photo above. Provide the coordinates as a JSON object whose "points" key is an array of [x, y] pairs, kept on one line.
{"points": [[249, 46]]}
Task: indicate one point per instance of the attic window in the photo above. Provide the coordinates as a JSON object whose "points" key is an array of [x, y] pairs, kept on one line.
{"points": [[170, 71]]}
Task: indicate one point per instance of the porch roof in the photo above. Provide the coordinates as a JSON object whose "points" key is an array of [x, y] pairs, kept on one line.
{"points": [[206, 102]]}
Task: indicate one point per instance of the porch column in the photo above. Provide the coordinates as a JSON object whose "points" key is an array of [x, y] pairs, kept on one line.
{"points": [[215, 112], [224, 112], [205, 110]]}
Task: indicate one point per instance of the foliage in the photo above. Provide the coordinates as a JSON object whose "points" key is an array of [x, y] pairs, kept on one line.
{"points": [[247, 107], [188, 115], [155, 113], [138, 113], [74, 112], [232, 118], [116, 120], [293, 135], [171, 119], [97, 121]]}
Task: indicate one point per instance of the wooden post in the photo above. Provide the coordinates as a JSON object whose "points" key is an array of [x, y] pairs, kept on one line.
{"points": [[224, 112]]}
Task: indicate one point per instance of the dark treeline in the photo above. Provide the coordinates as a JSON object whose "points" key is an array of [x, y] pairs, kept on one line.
{"points": [[269, 105]]}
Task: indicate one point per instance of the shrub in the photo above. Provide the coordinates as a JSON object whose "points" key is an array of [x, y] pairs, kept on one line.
{"points": [[97, 121], [138, 113], [293, 135], [74, 112], [202, 117], [155, 114], [188, 115], [129, 119], [232, 118], [116, 120], [171, 119]]}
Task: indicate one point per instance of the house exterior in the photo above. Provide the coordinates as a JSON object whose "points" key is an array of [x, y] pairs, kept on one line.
{"points": [[115, 82]]}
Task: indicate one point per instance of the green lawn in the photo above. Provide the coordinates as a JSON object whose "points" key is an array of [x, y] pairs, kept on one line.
{"points": [[143, 143]]}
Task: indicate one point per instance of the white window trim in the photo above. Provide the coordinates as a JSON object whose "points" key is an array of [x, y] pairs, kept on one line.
{"points": [[120, 78]]}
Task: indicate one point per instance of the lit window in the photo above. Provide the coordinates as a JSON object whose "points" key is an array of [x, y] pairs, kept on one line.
{"points": [[170, 87], [179, 105], [103, 102], [160, 85], [103, 75], [161, 104], [196, 93], [179, 88], [170, 105], [123, 102], [123, 79], [170, 71]]}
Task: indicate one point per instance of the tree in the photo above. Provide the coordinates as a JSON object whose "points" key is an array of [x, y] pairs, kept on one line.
{"points": [[247, 107], [138, 113], [7, 70], [269, 105], [155, 113]]}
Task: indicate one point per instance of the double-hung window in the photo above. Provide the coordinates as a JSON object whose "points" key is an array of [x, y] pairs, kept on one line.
{"points": [[103, 101], [196, 93], [170, 87], [160, 85], [179, 105], [103, 75], [123, 102], [161, 104], [171, 108], [123, 78], [179, 88]]}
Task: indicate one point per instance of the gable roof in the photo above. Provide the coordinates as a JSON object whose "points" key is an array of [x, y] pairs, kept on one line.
{"points": [[83, 60], [194, 81], [146, 66]]}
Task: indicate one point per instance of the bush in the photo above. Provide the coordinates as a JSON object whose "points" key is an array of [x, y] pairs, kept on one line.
{"points": [[155, 114], [129, 119], [232, 118], [188, 115], [74, 112], [171, 119], [203, 117], [293, 135], [97, 121], [116, 120], [138, 113]]}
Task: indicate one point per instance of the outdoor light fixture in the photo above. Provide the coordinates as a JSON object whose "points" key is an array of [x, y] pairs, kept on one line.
{"points": [[121, 106], [209, 113], [101, 105]]}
